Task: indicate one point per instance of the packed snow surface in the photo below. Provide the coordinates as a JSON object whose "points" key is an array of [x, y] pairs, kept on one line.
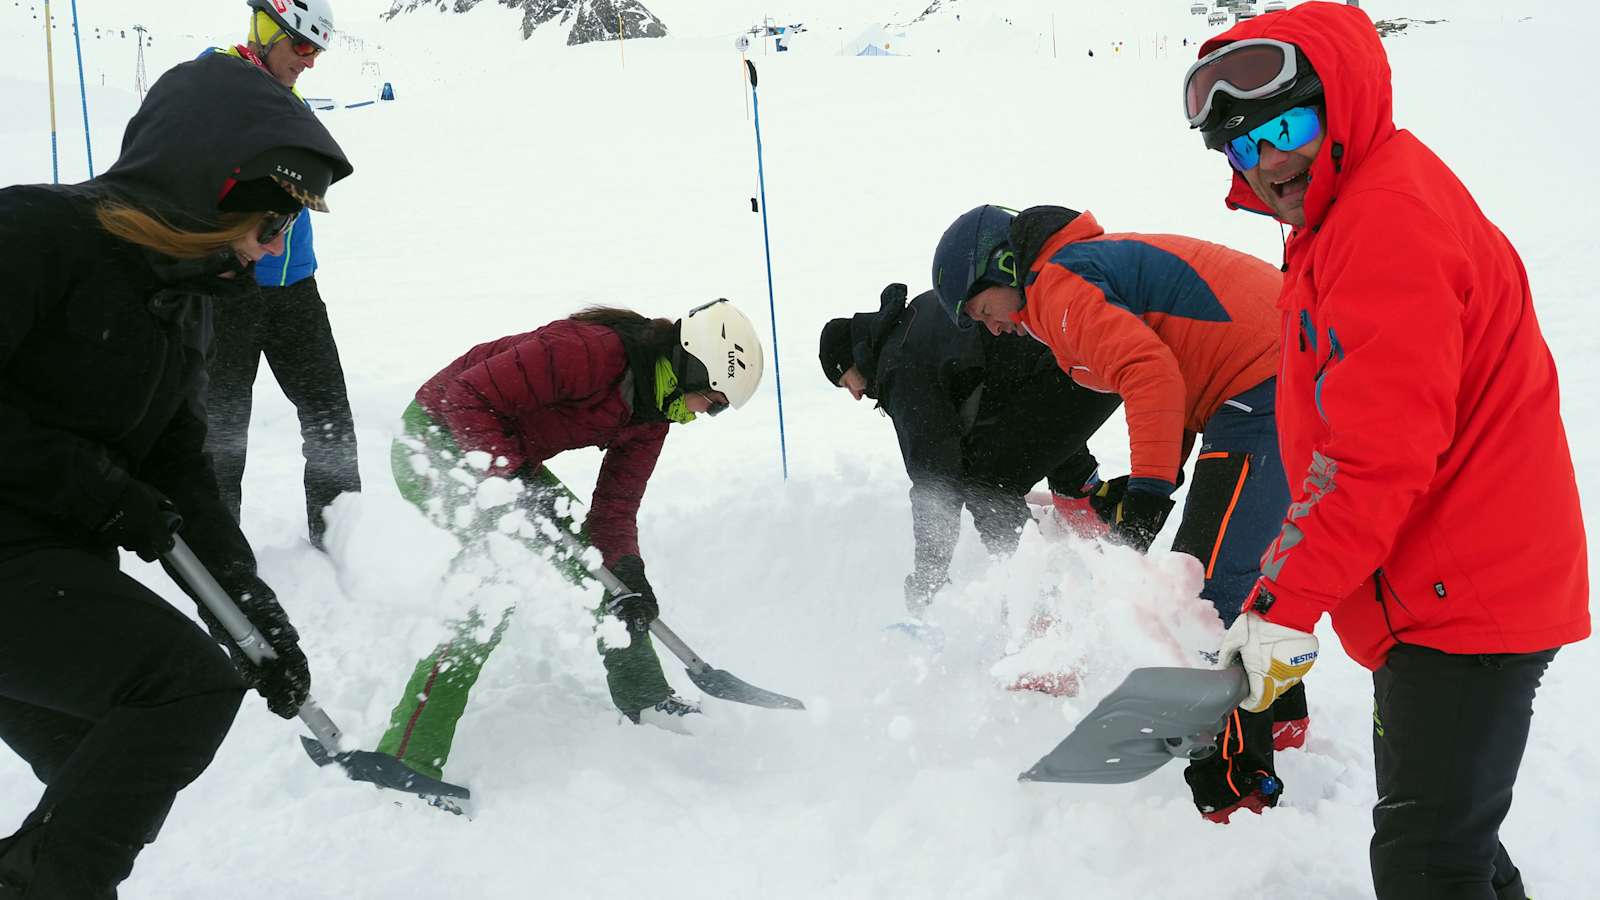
{"points": [[514, 182]]}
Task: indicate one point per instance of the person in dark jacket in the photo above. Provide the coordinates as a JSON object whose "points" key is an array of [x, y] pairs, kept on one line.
{"points": [[286, 323], [115, 699], [1413, 369], [981, 420], [607, 378]]}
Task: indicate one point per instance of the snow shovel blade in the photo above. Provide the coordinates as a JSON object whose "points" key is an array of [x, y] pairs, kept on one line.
{"points": [[725, 685], [385, 771], [1156, 715]]}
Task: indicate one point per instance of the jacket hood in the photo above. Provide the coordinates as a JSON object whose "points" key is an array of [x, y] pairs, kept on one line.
{"points": [[1035, 226], [200, 122], [868, 331], [1344, 48]]}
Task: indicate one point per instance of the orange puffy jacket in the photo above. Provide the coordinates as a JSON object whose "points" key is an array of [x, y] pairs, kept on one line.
{"points": [[1173, 324], [1415, 388]]}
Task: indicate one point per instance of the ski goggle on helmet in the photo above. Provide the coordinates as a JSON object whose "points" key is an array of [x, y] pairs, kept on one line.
{"points": [[1289, 130], [1244, 70]]}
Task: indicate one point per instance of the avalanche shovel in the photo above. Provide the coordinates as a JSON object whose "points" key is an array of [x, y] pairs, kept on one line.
{"points": [[1156, 715], [718, 683], [361, 765]]}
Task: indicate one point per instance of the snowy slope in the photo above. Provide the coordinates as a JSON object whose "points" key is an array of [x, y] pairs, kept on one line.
{"points": [[514, 182]]}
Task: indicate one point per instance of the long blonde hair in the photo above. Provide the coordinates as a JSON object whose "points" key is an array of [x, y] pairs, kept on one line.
{"points": [[150, 230]]}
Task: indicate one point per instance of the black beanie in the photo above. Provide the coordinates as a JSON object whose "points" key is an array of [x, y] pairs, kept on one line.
{"points": [[836, 351]]}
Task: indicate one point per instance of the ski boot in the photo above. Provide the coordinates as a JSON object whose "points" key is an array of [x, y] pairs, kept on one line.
{"points": [[670, 714]]}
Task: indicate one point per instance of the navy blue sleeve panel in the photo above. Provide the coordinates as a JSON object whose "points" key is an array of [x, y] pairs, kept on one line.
{"points": [[1142, 278]]}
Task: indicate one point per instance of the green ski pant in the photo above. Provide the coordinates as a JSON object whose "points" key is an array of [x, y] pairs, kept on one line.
{"points": [[429, 470]]}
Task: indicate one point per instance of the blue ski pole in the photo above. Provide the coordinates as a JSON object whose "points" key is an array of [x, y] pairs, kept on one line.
{"points": [[83, 93], [50, 79], [766, 240]]}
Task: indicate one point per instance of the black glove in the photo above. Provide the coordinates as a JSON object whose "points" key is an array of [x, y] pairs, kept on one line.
{"points": [[1139, 517], [920, 589], [638, 607], [284, 682], [1104, 498], [143, 521]]}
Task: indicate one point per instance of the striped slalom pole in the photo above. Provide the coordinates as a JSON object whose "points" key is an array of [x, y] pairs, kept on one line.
{"points": [[766, 240], [83, 92], [50, 66]]}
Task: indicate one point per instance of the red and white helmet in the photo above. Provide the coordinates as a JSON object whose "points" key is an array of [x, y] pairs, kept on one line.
{"points": [[311, 20]]}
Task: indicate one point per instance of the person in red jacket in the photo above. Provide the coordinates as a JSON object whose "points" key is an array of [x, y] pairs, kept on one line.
{"points": [[1183, 330], [1412, 369], [473, 457]]}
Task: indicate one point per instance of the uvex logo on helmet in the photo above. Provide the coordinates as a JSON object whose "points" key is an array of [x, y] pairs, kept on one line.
{"points": [[734, 360]]}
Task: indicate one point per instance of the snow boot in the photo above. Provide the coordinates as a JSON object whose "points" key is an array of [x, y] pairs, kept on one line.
{"points": [[670, 714], [1055, 683]]}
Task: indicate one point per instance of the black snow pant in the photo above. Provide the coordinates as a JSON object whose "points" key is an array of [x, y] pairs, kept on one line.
{"points": [[116, 700], [289, 326], [1447, 738]]}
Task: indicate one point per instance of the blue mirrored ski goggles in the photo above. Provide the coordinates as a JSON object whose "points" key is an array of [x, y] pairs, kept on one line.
{"points": [[1290, 130]]}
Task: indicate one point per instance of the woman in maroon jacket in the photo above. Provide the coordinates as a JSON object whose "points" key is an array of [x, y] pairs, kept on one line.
{"points": [[606, 378]]}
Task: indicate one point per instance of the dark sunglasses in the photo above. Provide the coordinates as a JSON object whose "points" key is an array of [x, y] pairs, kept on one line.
{"points": [[716, 408], [272, 225], [303, 47]]}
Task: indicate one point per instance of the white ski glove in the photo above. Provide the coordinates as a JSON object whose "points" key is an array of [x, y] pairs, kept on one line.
{"points": [[1275, 657]]}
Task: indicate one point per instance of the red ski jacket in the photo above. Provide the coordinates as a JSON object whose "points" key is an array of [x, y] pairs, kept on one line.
{"points": [[1173, 324], [1415, 389], [525, 398]]}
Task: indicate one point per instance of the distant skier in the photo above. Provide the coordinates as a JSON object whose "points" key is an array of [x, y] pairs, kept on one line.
{"points": [[1413, 375], [287, 324], [980, 418], [115, 699], [604, 377], [1185, 332]]}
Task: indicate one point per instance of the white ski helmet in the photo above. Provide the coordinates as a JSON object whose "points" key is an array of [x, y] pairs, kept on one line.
{"points": [[722, 350], [308, 19]]}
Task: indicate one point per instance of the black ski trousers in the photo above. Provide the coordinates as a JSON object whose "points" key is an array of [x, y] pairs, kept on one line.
{"points": [[1447, 738], [116, 700], [289, 326]]}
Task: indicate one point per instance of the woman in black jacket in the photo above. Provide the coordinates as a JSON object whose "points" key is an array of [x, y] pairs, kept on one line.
{"points": [[116, 699]]}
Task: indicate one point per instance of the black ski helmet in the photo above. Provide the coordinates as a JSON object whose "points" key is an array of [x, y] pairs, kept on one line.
{"points": [[1231, 117], [975, 251]]}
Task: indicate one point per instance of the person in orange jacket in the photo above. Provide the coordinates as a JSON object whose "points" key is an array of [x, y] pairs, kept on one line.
{"points": [[1413, 369], [1185, 332]]}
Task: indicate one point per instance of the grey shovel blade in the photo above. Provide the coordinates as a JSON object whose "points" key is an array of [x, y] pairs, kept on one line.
{"points": [[725, 685], [385, 771], [1156, 715]]}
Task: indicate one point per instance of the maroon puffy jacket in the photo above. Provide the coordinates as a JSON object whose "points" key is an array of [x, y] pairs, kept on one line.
{"points": [[522, 399]]}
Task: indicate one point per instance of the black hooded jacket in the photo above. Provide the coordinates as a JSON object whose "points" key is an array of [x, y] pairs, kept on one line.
{"points": [[981, 419], [102, 342]]}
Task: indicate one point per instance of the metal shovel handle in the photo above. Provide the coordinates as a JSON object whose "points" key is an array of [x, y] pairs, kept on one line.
{"points": [[252, 643], [658, 629]]}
